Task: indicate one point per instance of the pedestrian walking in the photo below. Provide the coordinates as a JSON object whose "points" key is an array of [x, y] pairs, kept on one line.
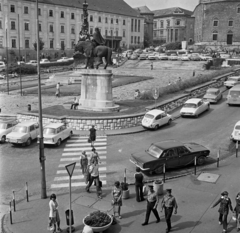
{"points": [[92, 136], [58, 90], [152, 203], [237, 211], [151, 66], [117, 199], [94, 171], [139, 185], [168, 204], [83, 162], [94, 156], [54, 214], [225, 205]]}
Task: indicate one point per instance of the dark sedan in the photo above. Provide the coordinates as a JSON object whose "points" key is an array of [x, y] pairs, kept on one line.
{"points": [[172, 153]]}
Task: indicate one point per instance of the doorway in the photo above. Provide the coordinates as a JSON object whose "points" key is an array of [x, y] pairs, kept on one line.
{"points": [[229, 38]]}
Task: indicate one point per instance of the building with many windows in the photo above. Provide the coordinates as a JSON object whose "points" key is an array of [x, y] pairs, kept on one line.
{"points": [[60, 22], [217, 22], [173, 25]]}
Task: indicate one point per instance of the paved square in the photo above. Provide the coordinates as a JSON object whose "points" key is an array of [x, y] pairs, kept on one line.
{"points": [[86, 201], [208, 177]]}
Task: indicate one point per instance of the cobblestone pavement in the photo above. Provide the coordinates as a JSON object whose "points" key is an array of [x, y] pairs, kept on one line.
{"points": [[162, 73]]}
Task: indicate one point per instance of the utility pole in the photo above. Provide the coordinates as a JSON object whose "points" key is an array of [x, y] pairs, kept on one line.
{"points": [[41, 146], [19, 52], [7, 55]]}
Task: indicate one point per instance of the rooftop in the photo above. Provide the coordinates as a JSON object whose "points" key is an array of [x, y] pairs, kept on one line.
{"points": [[172, 11], [155, 112], [143, 10], [53, 125], [168, 144]]}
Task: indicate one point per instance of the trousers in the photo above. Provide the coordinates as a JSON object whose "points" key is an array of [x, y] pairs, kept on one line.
{"points": [[98, 188], [150, 208], [223, 220], [139, 192], [168, 214]]}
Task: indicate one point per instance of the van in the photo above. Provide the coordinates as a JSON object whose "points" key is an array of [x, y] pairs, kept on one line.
{"points": [[235, 136], [232, 81], [233, 96]]}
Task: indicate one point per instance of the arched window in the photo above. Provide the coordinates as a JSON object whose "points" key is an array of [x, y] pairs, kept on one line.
{"points": [[238, 9], [215, 35], [215, 22]]}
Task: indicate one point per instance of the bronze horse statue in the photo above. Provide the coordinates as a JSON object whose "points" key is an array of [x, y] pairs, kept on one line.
{"points": [[91, 51]]}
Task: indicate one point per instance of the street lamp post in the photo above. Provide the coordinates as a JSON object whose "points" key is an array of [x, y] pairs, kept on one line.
{"points": [[41, 146]]}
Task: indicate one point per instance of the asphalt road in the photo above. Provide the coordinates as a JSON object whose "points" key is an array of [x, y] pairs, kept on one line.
{"points": [[20, 164]]}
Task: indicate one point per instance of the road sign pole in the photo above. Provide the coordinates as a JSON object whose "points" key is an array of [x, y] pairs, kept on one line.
{"points": [[70, 206]]}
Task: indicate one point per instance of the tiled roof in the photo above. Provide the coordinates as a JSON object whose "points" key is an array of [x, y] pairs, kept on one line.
{"points": [[170, 12], [143, 9], [108, 6]]}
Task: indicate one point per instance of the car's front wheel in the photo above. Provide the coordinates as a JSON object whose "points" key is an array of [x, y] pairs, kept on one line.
{"points": [[70, 134], [28, 142], [156, 127], [3, 139], [159, 170], [200, 160], [58, 142], [169, 121]]}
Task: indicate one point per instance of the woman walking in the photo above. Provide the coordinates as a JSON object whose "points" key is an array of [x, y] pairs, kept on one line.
{"points": [[94, 156], [117, 199], [225, 205], [53, 214], [92, 136], [237, 211], [83, 162]]}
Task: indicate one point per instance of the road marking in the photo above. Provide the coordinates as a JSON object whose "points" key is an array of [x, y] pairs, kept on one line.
{"points": [[86, 137], [103, 171], [79, 177], [74, 184], [86, 144], [85, 148], [85, 140]]}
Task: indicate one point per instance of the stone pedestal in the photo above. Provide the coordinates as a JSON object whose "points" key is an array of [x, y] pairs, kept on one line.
{"points": [[96, 91], [184, 45]]}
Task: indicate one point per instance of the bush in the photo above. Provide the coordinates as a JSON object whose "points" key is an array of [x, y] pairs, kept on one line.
{"points": [[174, 46], [25, 69], [65, 63]]}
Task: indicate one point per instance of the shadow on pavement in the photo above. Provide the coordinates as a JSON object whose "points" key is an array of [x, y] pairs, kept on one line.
{"points": [[185, 225]]}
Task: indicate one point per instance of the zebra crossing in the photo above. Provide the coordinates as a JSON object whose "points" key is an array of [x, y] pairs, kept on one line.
{"points": [[71, 154]]}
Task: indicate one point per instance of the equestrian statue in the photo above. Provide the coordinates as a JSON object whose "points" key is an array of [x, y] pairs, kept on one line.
{"points": [[94, 48]]}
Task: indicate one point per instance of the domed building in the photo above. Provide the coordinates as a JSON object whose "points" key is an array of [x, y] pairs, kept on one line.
{"points": [[217, 22]]}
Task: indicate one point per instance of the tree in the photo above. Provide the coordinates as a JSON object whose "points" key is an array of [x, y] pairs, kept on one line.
{"points": [[41, 45], [146, 41]]}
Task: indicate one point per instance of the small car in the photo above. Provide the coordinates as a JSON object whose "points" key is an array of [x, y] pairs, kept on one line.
{"points": [[20, 62], [55, 133], [2, 66], [173, 57], [194, 107], [42, 61], [32, 62], [143, 56], [195, 57], [152, 56], [134, 56], [232, 81], [63, 59], [213, 95], [205, 57], [183, 58], [156, 118], [162, 56], [235, 136], [23, 133], [6, 127], [172, 153]]}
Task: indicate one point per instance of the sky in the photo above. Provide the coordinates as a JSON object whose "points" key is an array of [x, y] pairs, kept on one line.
{"points": [[161, 4]]}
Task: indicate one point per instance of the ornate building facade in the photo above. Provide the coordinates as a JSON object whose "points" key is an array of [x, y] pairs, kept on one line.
{"points": [[60, 22]]}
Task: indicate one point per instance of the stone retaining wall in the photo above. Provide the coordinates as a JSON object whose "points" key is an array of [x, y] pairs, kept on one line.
{"points": [[127, 121]]}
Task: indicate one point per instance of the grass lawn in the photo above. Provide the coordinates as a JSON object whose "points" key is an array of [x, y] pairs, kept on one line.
{"points": [[75, 89]]}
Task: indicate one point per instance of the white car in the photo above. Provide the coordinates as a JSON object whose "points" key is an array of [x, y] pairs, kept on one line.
{"points": [[173, 57], [2, 66], [194, 107], [32, 62], [152, 56], [20, 62], [183, 58], [162, 56], [42, 61], [23, 133], [55, 133], [205, 57], [235, 136], [232, 81], [5, 128], [156, 118], [64, 59]]}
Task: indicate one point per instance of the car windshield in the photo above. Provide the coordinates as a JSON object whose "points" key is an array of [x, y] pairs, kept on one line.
{"points": [[3, 125], [189, 105], [49, 131], [155, 151], [237, 127], [235, 93], [149, 116], [20, 129], [209, 92]]}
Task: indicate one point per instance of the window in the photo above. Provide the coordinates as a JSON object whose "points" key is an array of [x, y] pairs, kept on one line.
{"points": [[111, 20], [168, 23], [91, 31], [215, 36], [154, 25], [62, 45], [106, 20], [50, 28], [178, 22], [73, 30], [106, 32], [99, 19], [230, 23], [111, 32], [39, 11], [14, 44], [72, 16], [0, 6], [182, 150], [0, 24], [161, 32], [238, 10], [13, 25], [215, 23], [132, 25], [176, 34], [139, 25], [135, 25], [25, 10], [27, 44], [62, 29], [131, 39], [124, 22], [162, 24], [39, 27], [91, 18], [117, 33], [62, 14], [1, 42], [116, 21], [26, 26], [135, 39], [154, 34], [51, 44], [31, 128], [138, 39], [12, 9], [50, 13], [81, 16], [124, 33], [72, 44]]}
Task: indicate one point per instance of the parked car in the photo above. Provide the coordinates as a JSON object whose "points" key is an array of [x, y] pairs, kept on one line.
{"points": [[172, 153], [224, 55], [6, 127], [205, 57], [23, 133], [173, 57], [162, 56], [235, 136], [2, 66], [194, 107], [42, 61], [156, 118], [63, 59], [134, 56], [195, 57], [32, 62], [143, 56], [233, 97], [232, 81], [212, 95], [20, 62], [55, 133], [183, 58], [138, 51], [13, 75], [152, 56]]}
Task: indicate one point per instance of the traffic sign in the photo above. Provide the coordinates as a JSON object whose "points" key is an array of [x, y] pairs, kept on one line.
{"points": [[70, 168], [155, 93]]}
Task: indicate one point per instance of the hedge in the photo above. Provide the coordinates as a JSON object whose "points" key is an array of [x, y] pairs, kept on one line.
{"points": [[25, 69], [64, 63]]}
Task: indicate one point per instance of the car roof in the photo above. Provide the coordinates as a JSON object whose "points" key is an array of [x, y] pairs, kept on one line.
{"points": [[193, 100], [27, 123], [7, 121], [235, 77], [238, 123], [155, 112], [167, 144], [212, 89], [53, 125]]}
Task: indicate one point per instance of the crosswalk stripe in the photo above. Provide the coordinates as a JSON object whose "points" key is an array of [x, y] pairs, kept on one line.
{"points": [[86, 144], [85, 148], [85, 140], [78, 155], [100, 168], [73, 184], [79, 177], [77, 159], [59, 172]]}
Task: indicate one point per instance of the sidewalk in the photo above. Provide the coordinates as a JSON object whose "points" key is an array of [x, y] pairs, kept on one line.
{"points": [[194, 199]]}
